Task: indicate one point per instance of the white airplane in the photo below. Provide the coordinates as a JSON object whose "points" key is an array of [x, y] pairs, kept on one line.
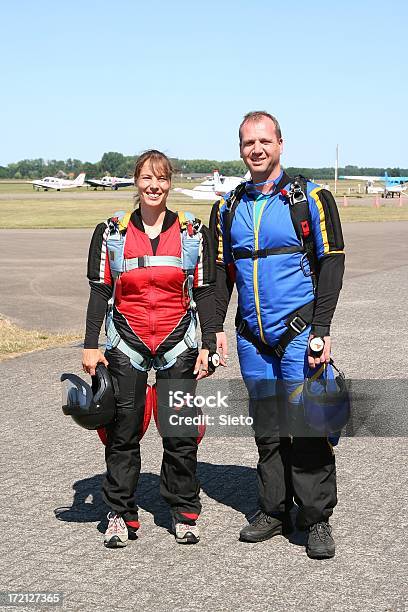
{"points": [[390, 184], [213, 187], [113, 182], [52, 182]]}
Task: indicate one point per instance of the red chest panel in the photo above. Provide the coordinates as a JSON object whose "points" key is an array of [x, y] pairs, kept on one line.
{"points": [[151, 299]]}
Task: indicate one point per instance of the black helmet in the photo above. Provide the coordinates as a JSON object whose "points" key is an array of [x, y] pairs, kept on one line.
{"points": [[90, 407], [326, 401]]}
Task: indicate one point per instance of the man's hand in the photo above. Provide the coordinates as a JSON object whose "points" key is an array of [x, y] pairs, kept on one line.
{"points": [[324, 357], [201, 364], [222, 347], [90, 359]]}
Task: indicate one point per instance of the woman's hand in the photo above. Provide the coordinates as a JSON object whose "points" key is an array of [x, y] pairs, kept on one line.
{"points": [[222, 347], [201, 364], [91, 358]]}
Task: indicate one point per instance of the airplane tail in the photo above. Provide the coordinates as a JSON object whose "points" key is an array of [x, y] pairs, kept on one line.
{"points": [[80, 179]]}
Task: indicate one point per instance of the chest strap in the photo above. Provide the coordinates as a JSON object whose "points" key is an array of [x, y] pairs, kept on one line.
{"points": [[296, 323], [247, 254], [148, 261], [158, 362]]}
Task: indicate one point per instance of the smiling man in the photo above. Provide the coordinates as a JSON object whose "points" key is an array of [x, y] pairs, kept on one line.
{"points": [[280, 240]]}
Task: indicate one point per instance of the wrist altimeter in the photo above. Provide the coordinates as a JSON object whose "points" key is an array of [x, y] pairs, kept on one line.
{"points": [[316, 346], [213, 361]]}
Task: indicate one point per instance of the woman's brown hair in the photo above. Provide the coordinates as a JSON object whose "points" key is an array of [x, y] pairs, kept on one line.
{"points": [[159, 163]]}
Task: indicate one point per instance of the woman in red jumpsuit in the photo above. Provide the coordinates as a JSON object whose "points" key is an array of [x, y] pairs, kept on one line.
{"points": [[152, 324]]}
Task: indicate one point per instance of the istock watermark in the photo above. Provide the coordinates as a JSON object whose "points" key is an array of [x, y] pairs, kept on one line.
{"points": [[222, 420], [178, 399]]}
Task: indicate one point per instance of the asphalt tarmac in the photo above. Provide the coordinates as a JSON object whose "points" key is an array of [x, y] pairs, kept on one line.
{"points": [[51, 505]]}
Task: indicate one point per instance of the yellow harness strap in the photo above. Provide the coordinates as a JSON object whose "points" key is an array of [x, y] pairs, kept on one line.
{"points": [[124, 221], [182, 219]]}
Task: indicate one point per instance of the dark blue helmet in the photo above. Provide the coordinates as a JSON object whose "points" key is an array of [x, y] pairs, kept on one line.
{"points": [[326, 401], [93, 406]]}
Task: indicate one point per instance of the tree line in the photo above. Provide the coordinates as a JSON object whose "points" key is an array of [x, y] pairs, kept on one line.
{"points": [[117, 164]]}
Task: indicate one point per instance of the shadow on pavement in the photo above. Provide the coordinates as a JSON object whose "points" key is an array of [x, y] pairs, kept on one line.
{"points": [[232, 485]]}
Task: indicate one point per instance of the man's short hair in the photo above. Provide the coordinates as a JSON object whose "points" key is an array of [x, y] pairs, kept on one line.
{"points": [[258, 116]]}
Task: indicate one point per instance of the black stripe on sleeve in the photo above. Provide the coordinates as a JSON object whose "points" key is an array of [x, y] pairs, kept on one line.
{"points": [[215, 229], [96, 253], [208, 256]]}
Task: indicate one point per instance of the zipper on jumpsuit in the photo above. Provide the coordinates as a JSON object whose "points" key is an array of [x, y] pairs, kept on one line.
{"points": [[257, 223], [152, 312]]}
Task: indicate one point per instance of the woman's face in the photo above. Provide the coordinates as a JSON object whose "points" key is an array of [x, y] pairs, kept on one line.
{"points": [[152, 186]]}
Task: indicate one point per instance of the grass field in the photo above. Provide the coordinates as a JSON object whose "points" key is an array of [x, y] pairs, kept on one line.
{"points": [[14, 340], [23, 208]]}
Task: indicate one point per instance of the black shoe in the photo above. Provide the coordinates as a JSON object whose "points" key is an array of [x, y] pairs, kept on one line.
{"points": [[263, 526], [320, 544]]}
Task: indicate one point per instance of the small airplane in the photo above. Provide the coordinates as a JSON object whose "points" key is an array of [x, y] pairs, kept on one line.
{"points": [[391, 184], [213, 187], [113, 182], [52, 182]]}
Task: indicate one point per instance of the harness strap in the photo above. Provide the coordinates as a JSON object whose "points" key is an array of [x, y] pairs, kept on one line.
{"points": [[159, 362], [300, 215], [231, 205], [296, 323], [148, 261], [247, 254], [162, 362]]}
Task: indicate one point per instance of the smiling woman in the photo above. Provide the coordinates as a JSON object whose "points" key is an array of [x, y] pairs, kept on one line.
{"points": [[157, 269], [152, 176]]}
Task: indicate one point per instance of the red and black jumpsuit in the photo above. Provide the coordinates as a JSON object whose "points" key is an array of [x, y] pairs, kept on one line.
{"points": [[151, 315]]}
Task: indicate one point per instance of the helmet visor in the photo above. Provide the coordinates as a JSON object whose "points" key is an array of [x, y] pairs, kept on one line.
{"points": [[76, 395]]}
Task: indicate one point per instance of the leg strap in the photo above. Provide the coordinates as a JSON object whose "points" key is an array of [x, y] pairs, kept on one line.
{"points": [[159, 362], [296, 323]]}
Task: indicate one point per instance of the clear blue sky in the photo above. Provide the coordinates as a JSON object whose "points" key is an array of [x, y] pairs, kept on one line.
{"points": [[83, 77]]}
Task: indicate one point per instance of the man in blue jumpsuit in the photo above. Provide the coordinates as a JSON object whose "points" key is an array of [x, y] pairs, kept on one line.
{"points": [[286, 296]]}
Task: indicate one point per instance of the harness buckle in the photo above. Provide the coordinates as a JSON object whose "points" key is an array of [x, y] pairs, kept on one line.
{"points": [[296, 194], [159, 361], [279, 351], [241, 327], [298, 324], [189, 341]]}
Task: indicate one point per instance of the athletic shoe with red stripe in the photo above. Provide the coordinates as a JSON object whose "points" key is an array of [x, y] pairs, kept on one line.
{"points": [[186, 534], [116, 535]]}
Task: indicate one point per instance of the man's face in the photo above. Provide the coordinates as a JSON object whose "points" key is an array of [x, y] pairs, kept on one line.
{"points": [[260, 147]]}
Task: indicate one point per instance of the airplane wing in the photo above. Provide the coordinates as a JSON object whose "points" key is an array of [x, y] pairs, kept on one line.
{"points": [[363, 178], [198, 195], [94, 182], [121, 182], [47, 185]]}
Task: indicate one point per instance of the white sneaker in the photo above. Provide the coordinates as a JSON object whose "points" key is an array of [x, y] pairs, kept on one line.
{"points": [[186, 534], [116, 535]]}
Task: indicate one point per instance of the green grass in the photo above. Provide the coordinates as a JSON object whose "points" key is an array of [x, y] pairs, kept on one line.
{"points": [[41, 213], [365, 213], [14, 340], [23, 208]]}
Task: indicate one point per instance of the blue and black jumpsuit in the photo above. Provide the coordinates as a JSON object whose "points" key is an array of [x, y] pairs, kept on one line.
{"points": [[274, 282]]}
